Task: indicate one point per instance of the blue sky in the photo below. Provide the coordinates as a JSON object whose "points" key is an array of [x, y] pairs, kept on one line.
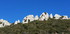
{"points": [[12, 10]]}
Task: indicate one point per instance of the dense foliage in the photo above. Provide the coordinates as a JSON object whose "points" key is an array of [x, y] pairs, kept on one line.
{"points": [[52, 26]]}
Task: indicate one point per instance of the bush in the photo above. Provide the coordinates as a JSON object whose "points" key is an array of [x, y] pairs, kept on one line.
{"points": [[51, 26]]}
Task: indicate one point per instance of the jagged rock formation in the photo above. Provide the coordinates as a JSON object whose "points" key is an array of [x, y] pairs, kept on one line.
{"points": [[16, 22], [57, 16], [36, 17], [4, 23], [43, 17], [51, 16], [28, 18], [65, 17]]}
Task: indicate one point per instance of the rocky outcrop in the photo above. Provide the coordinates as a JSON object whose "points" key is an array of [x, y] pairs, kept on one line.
{"points": [[4, 23], [43, 17]]}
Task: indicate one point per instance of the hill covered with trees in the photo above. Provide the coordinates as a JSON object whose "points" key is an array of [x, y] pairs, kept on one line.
{"points": [[51, 26]]}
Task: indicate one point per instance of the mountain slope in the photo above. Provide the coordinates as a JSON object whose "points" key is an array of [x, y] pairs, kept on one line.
{"points": [[51, 26]]}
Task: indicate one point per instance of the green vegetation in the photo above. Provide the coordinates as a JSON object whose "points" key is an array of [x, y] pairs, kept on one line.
{"points": [[52, 26]]}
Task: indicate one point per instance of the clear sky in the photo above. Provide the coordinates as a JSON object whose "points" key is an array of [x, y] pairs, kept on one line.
{"points": [[13, 10]]}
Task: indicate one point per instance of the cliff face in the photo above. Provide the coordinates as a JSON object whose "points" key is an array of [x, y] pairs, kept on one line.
{"points": [[51, 26]]}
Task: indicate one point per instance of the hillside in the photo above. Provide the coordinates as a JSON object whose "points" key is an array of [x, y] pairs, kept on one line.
{"points": [[51, 26]]}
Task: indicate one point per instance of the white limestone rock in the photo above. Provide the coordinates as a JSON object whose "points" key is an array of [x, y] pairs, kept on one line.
{"points": [[25, 21], [1, 20], [1, 25], [51, 16], [65, 17], [16, 22], [57, 16], [44, 16], [4, 23], [36, 17], [28, 18]]}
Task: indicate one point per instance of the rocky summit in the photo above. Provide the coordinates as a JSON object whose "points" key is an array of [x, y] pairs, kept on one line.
{"points": [[43, 17], [45, 24]]}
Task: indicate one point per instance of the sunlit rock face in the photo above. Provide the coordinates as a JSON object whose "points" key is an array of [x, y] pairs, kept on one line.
{"points": [[36, 17], [1, 24], [25, 20], [65, 17], [16, 22], [57, 16], [4, 23], [44, 16], [28, 18], [51, 16]]}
